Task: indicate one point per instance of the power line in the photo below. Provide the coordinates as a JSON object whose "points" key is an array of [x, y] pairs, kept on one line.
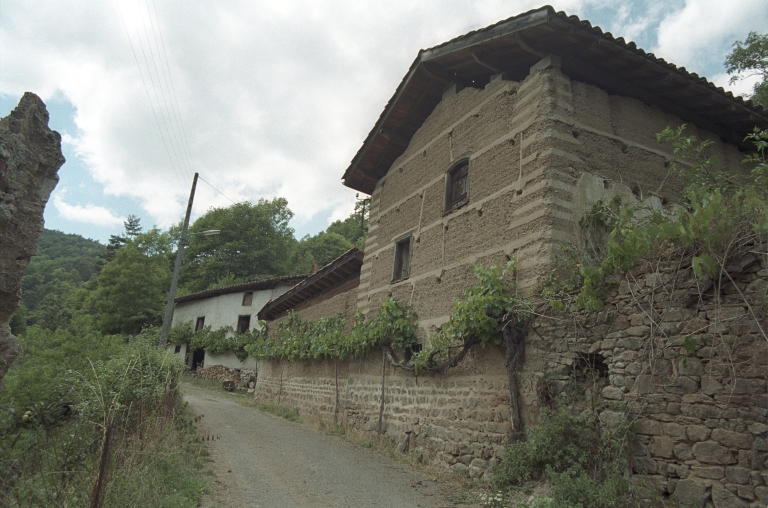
{"points": [[217, 190], [167, 113], [146, 89]]}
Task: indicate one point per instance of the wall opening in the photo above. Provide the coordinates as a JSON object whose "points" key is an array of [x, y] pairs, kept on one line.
{"points": [[247, 298], [402, 262], [243, 324]]}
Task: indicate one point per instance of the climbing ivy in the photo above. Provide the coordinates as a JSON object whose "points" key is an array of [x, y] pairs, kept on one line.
{"points": [[721, 213], [295, 339], [477, 318], [217, 341]]}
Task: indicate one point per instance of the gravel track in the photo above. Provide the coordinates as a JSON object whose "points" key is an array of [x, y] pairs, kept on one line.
{"points": [[260, 460]]}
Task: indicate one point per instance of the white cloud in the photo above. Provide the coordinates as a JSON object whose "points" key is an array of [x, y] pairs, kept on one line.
{"points": [[704, 30], [274, 98], [89, 214], [744, 87]]}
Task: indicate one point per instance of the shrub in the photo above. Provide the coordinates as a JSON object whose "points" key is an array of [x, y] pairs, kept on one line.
{"points": [[584, 459]]}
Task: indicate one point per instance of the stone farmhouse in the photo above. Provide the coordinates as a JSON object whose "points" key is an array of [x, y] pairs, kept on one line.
{"points": [[236, 306], [492, 147]]}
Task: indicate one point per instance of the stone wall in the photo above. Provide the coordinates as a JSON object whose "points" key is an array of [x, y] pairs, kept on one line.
{"points": [[692, 371], [701, 414], [458, 419]]}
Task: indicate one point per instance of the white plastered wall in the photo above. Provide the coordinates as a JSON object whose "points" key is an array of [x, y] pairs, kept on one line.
{"points": [[224, 310]]}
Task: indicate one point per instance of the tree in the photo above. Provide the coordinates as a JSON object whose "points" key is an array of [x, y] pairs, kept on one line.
{"points": [[255, 242], [323, 248], [132, 226], [750, 58], [133, 287]]}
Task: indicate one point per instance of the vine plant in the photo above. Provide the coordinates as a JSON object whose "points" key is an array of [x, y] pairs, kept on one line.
{"points": [[723, 215], [480, 317]]}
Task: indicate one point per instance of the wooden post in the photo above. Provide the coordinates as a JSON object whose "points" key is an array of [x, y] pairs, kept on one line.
{"points": [[177, 268]]}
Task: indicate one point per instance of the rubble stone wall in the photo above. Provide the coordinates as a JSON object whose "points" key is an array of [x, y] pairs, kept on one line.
{"points": [[701, 416]]}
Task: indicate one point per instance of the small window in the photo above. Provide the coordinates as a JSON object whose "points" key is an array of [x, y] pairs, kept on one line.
{"points": [[457, 186], [247, 299], [177, 349], [243, 324], [200, 323], [402, 265]]}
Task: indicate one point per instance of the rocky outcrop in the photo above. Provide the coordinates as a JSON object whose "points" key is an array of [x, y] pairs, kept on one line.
{"points": [[30, 156]]}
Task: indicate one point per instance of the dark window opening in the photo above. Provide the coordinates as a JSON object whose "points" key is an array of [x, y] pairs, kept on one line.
{"points": [[198, 359], [402, 266], [177, 349], [410, 351], [457, 186], [200, 323], [594, 363], [248, 299], [243, 324]]}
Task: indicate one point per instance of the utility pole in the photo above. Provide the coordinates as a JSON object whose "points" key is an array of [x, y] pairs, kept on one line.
{"points": [[176, 269]]}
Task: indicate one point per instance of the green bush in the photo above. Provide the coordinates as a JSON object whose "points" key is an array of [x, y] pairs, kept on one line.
{"points": [[82, 406], [584, 459]]}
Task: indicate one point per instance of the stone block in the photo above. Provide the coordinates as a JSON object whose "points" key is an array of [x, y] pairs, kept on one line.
{"points": [[683, 451], [709, 472], [732, 439], [735, 474], [690, 492], [723, 498], [711, 452], [661, 367], [631, 343], [612, 393], [679, 385], [661, 446], [649, 427], [758, 429], [690, 366], [638, 331], [746, 492], [460, 468], [646, 384], [698, 432], [762, 494]]}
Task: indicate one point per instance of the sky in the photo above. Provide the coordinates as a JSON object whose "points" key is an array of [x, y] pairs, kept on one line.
{"points": [[265, 98]]}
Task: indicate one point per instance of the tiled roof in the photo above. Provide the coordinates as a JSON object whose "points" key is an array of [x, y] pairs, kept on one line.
{"points": [[512, 46], [238, 288], [339, 270]]}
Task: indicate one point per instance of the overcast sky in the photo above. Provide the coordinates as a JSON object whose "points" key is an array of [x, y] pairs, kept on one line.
{"points": [[264, 99]]}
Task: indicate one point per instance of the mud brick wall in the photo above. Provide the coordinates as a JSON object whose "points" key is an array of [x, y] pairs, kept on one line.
{"points": [[541, 152]]}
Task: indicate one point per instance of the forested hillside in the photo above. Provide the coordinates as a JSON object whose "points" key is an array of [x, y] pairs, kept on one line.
{"points": [[121, 287], [64, 262]]}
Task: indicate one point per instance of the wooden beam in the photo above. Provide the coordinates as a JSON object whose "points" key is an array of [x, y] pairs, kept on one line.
{"points": [[393, 136]]}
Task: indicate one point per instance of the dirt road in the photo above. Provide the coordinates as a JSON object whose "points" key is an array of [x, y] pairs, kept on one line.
{"points": [[260, 460]]}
